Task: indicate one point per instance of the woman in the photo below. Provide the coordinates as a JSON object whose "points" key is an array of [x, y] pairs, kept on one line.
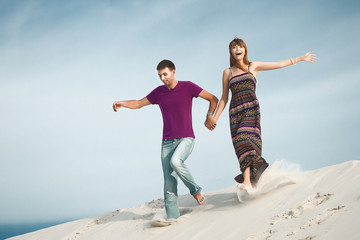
{"points": [[244, 109]]}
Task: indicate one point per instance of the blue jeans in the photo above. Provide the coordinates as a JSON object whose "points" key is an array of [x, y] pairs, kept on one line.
{"points": [[174, 152]]}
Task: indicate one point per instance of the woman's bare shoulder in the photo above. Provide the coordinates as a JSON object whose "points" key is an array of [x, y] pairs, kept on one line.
{"points": [[227, 71]]}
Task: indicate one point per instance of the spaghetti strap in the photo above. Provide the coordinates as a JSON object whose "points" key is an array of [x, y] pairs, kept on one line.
{"points": [[250, 72], [230, 73]]}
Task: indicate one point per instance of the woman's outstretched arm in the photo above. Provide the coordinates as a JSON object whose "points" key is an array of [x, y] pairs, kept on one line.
{"points": [[264, 66]]}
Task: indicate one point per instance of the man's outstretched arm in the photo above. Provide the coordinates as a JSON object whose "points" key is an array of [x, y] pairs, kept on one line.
{"points": [[132, 104]]}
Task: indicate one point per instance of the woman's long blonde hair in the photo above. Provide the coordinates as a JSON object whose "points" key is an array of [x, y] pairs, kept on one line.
{"points": [[241, 43]]}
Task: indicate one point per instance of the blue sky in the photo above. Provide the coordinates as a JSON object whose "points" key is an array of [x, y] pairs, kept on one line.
{"points": [[66, 154]]}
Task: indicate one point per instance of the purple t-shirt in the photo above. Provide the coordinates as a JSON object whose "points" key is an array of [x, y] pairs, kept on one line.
{"points": [[176, 105]]}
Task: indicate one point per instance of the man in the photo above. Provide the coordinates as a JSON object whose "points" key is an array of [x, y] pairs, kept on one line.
{"points": [[175, 101]]}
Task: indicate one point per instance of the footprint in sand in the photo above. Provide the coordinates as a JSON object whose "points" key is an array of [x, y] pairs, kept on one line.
{"points": [[322, 217], [106, 217], [264, 235], [312, 202], [103, 219]]}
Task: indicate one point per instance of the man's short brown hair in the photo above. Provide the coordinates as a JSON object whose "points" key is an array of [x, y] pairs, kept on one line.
{"points": [[165, 64]]}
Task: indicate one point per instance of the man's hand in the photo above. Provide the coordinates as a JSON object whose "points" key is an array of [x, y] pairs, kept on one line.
{"points": [[132, 104], [210, 122], [116, 105]]}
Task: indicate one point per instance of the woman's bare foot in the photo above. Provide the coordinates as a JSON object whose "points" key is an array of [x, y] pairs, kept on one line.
{"points": [[247, 187]]}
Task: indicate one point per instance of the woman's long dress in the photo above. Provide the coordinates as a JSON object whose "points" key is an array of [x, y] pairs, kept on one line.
{"points": [[245, 126]]}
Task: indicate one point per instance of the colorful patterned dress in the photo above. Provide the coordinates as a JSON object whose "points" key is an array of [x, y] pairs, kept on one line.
{"points": [[245, 125]]}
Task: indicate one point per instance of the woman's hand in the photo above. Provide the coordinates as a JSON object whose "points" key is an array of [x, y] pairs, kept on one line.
{"points": [[309, 57]]}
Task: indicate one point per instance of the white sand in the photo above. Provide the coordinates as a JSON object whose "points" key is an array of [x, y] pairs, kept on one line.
{"points": [[319, 204]]}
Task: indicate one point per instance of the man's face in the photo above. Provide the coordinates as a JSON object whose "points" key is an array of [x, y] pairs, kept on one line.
{"points": [[166, 76]]}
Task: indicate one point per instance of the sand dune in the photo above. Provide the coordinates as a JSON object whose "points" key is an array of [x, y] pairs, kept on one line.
{"points": [[318, 204]]}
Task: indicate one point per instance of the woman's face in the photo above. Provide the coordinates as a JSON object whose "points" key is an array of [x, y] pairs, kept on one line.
{"points": [[238, 52]]}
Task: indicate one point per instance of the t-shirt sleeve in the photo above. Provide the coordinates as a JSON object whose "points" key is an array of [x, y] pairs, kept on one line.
{"points": [[195, 90], [153, 96]]}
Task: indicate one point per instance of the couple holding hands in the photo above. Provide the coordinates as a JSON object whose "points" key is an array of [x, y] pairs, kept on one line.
{"points": [[175, 101]]}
